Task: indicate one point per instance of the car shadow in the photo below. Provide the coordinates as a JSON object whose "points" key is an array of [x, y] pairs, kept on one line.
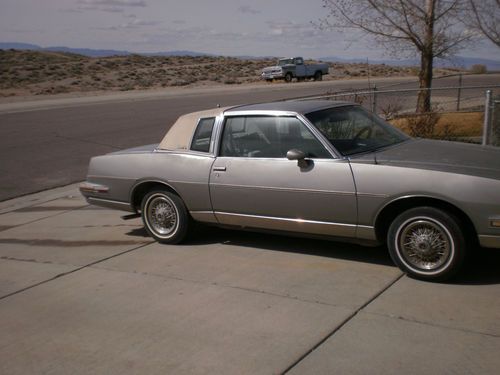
{"points": [[292, 244], [482, 268]]}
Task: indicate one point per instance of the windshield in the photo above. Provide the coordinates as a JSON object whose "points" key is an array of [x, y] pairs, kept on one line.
{"points": [[353, 130], [284, 62]]}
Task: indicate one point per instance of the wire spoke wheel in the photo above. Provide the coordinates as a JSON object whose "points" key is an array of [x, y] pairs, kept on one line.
{"points": [[162, 215], [427, 243], [424, 244], [165, 216]]}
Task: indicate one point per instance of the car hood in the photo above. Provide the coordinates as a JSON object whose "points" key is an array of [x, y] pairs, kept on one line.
{"points": [[454, 157], [271, 68]]}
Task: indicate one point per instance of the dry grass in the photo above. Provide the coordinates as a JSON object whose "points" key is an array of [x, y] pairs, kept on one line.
{"points": [[453, 125], [45, 73]]}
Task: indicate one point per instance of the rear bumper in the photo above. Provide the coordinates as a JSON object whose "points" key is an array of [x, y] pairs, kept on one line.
{"points": [[489, 241], [97, 194]]}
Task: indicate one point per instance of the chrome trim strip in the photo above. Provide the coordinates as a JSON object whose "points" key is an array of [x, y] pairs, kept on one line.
{"points": [[124, 206], [91, 176], [286, 189], [204, 216], [287, 224], [366, 232], [372, 195], [489, 241], [187, 182]]}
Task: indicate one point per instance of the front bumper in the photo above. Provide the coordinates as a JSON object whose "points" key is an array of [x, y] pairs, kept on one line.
{"points": [[272, 75], [490, 241]]}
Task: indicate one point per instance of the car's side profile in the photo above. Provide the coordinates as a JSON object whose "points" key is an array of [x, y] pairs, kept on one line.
{"points": [[314, 168]]}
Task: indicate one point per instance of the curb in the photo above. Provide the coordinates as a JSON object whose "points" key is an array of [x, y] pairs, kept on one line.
{"points": [[38, 198]]}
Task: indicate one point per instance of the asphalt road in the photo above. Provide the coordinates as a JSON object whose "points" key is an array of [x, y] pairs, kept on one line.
{"points": [[48, 143]]}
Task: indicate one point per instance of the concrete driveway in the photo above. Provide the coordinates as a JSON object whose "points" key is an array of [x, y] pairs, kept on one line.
{"points": [[84, 292]]}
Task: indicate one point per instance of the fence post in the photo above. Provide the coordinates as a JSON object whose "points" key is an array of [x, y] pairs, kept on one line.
{"points": [[374, 100], [487, 119], [459, 91]]}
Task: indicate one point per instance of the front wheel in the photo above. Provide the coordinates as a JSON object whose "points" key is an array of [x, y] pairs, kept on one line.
{"points": [[427, 243], [288, 77], [165, 216]]}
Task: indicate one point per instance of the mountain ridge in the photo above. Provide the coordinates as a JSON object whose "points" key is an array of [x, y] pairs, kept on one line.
{"points": [[458, 61]]}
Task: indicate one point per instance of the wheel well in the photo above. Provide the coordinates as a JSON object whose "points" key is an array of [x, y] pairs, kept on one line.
{"points": [[389, 213], [142, 189]]}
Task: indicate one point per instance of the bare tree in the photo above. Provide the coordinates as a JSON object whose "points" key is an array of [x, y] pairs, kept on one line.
{"points": [[429, 28], [484, 16]]}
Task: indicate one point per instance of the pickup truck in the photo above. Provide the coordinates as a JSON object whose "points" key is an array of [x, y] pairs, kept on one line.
{"points": [[294, 67]]}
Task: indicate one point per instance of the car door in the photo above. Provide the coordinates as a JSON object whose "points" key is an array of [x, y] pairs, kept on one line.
{"points": [[300, 68], [253, 184]]}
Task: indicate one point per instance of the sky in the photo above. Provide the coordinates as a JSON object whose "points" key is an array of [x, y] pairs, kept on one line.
{"points": [[222, 27]]}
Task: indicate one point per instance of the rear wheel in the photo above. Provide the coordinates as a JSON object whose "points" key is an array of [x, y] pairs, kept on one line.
{"points": [[165, 216], [318, 76], [427, 243]]}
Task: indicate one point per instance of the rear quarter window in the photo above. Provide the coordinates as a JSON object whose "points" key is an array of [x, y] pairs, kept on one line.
{"points": [[203, 135]]}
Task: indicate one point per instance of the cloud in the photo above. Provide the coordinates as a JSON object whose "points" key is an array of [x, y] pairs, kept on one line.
{"points": [[245, 9], [114, 3], [24, 31], [113, 6], [134, 23], [292, 29]]}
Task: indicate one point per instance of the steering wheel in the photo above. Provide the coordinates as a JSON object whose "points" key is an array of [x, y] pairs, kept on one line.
{"points": [[365, 129]]}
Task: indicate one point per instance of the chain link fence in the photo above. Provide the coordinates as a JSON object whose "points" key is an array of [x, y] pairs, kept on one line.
{"points": [[458, 112]]}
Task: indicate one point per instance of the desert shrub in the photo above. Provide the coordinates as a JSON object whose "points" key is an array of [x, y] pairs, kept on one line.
{"points": [[231, 81], [423, 125], [127, 87], [180, 82], [391, 109], [478, 69]]}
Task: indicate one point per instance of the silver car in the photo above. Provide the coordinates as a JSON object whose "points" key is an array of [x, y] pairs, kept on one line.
{"points": [[315, 168]]}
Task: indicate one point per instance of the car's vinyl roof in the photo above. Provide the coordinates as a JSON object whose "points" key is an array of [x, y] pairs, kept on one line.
{"points": [[298, 106]]}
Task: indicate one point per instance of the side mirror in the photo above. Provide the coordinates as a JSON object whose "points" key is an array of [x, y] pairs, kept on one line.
{"points": [[295, 154], [300, 156]]}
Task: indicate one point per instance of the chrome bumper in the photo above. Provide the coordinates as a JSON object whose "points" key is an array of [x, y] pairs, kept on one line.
{"points": [[272, 75], [89, 188], [97, 194], [489, 241]]}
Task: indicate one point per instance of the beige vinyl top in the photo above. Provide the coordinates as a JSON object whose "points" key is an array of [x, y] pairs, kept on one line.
{"points": [[180, 134]]}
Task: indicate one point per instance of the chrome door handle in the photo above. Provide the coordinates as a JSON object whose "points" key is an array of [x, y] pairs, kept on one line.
{"points": [[219, 169]]}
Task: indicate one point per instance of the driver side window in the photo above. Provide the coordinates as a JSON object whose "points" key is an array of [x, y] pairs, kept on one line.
{"points": [[268, 137]]}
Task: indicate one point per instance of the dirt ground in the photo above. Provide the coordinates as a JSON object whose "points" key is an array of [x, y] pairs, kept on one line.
{"points": [[29, 73]]}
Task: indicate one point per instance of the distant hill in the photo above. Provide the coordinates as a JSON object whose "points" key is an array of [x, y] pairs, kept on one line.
{"points": [[455, 62], [89, 52], [20, 46]]}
